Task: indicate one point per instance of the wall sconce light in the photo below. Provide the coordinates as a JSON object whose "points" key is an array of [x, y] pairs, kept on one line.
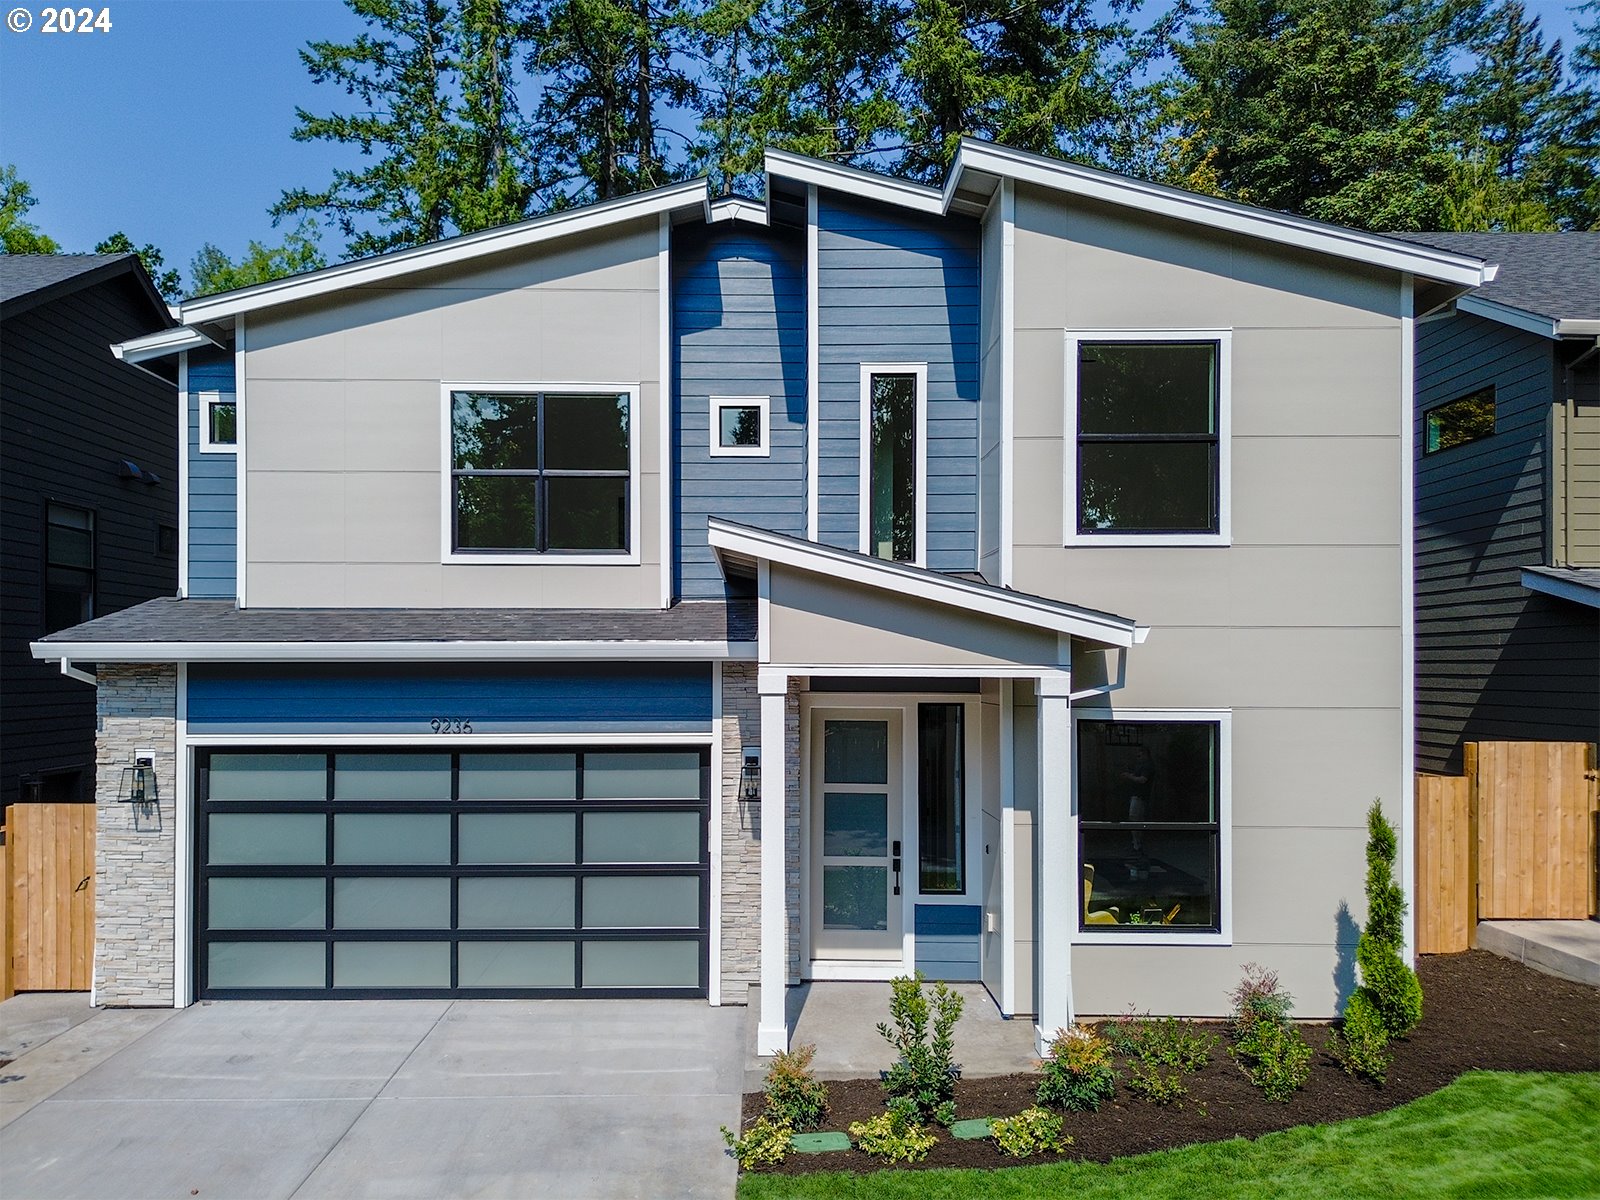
{"points": [[750, 776], [139, 786]]}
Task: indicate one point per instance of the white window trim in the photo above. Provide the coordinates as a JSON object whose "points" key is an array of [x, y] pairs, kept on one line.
{"points": [[1069, 444], [1223, 718], [448, 552], [920, 370], [206, 400], [763, 449]]}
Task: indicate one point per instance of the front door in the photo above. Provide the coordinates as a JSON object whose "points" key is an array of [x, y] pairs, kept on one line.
{"points": [[856, 803]]}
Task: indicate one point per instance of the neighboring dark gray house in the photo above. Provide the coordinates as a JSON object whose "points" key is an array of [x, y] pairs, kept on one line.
{"points": [[1508, 500], [88, 495]]}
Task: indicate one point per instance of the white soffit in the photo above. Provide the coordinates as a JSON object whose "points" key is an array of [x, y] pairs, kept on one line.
{"points": [[742, 541]]}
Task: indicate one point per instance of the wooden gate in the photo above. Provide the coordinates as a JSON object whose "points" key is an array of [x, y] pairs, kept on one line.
{"points": [[49, 894], [1513, 839]]}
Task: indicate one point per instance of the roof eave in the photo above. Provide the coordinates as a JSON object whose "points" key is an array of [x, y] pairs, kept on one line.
{"points": [[391, 651]]}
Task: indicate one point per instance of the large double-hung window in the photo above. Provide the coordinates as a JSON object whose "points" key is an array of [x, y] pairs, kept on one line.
{"points": [[541, 472]]}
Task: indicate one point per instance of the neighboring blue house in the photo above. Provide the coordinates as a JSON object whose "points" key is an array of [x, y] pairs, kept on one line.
{"points": [[679, 595]]}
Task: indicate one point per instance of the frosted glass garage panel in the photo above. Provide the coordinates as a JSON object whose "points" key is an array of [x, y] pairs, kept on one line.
{"points": [[239, 903], [641, 964], [391, 839], [641, 901], [517, 964], [266, 965], [391, 903], [391, 777], [538, 903], [639, 837], [267, 839], [669, 775], [391, 964], [531, 776], [491, 838], [268, 777]]}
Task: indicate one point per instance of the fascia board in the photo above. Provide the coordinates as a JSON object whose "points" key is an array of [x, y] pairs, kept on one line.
{"points": [[1505, 314], [1219, 214], [159, 345], [855, 182], [1564, 589], [918, 583], [687, 195], [386, 651]]}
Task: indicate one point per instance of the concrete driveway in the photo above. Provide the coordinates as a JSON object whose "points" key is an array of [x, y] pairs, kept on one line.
{"points": [[416, 1098]]}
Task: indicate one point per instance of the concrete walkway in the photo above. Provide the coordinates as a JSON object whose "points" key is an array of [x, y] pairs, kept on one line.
{"points": [[428, 1099], [1566, 949]]}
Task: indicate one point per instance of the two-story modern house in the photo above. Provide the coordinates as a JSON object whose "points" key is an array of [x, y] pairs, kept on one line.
{"points": [[1508, 500], [1009, 581]]}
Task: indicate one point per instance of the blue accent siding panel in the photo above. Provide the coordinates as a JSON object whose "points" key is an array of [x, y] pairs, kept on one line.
{"points": [[213, 488], [575, 698], [896, 287], [738, 329], [947, 940]]}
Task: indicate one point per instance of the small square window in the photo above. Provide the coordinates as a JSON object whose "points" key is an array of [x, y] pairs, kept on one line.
{"points": [[740, 427], [1465, 419], [219, 423]]}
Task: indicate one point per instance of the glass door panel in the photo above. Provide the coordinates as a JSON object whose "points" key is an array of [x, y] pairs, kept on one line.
{"points": [[857, 806]]}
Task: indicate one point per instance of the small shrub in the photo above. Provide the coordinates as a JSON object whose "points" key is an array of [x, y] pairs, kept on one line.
{"points": [[1155, 1085], [924, 1023], [1276, 1059], [1392, 986], [794, 1096], [1361, 1045], [1125, 1033], [945, 1114], [1078, 1073], [894, 1137], [1032, 1131], [1259, 998], [764, 1144], [1171, 1042]]}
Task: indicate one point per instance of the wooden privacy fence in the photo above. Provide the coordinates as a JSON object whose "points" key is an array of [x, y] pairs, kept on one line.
{"points": [[48, 896], [1513, 838]]}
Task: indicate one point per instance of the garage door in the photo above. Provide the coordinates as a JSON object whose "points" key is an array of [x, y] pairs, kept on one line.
{"points": [[357, 873]]}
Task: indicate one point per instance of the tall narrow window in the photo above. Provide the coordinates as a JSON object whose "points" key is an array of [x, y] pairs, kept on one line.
{"points": [[69, 566], [941, 799], [892, 466]]}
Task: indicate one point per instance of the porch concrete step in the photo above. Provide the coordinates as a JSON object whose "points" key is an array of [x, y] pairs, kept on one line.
{"points": [[1566, 949]]}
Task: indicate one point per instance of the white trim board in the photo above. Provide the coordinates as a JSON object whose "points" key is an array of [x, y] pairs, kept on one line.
{"points": [[183, 473], [813, 360], [161, 344], [919, 437], [1407, 616], [714, 407], [655, 651], [203, 402], [664, 407]]}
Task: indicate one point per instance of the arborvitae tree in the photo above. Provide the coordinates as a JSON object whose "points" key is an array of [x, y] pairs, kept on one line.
{"points": [[18, 235], [1391, 987], [168, 282], [213, 271]]}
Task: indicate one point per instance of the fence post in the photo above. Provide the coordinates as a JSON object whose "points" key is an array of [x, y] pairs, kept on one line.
{"points": [[6, 990], [1469, 761]]}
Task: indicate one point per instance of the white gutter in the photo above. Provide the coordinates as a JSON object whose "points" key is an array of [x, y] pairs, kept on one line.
{"points": [[72, 672], [160, 344], [525, 651]]}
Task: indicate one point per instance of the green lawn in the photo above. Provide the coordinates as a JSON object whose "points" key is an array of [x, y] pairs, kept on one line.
{"points": [[1486, 1135]]}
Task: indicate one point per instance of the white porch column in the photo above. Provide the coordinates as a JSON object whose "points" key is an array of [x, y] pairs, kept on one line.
{"points": [[1058, 878], [772, 1032]]}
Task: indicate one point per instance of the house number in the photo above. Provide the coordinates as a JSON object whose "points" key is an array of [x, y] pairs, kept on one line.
{"points": [[451, 724]]}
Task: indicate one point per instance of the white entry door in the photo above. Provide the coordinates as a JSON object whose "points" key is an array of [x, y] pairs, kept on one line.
{"points": [[857, 804]]}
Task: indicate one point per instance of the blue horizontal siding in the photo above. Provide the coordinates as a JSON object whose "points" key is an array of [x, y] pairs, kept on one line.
{"points": [[575, 698], [947, 940], [213, 488], [738, 329]]}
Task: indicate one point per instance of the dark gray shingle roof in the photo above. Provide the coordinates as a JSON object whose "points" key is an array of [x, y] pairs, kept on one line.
{"points": [[21, 274], [1556, 275], [173, 620]]}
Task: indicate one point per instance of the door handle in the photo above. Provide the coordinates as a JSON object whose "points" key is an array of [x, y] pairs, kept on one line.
{"points": [[897, 868]]}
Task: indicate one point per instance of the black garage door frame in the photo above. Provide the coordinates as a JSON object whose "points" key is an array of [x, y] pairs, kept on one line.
{"points": [[454, 808]]}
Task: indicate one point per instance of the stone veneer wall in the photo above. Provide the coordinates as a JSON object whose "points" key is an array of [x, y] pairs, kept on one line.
{"points": [[741, 835], [135, 850]]}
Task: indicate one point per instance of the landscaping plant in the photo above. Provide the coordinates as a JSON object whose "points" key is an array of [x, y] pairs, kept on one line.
{"points": [[1032, 1131], [795, 1097], [1361, 1045], [1259, 998], [764, 1144], [1173, 1042], [1155, 1085], [924, 1024], [895, 1136], [1077, 1073], [1275, 1057]]}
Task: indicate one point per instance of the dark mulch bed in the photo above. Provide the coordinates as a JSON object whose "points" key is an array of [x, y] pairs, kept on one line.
{"points": [[1483, 1012]]}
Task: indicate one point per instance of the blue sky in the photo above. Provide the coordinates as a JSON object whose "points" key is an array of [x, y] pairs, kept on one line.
{"points": [[174, 126]]}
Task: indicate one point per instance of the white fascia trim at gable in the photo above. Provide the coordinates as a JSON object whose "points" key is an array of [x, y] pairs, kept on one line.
{"points": [[735, 208], [1505, 314], [1225, 215], [689, 194], [656, 651], [920, 583], [1563, 589], [854, 181], [161, 344]]}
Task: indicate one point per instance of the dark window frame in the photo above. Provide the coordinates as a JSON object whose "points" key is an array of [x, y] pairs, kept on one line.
{"points": [[1213, 440], [1214, 827], [541, 475], [1428, 446], [46, 565], [916, 534]]}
